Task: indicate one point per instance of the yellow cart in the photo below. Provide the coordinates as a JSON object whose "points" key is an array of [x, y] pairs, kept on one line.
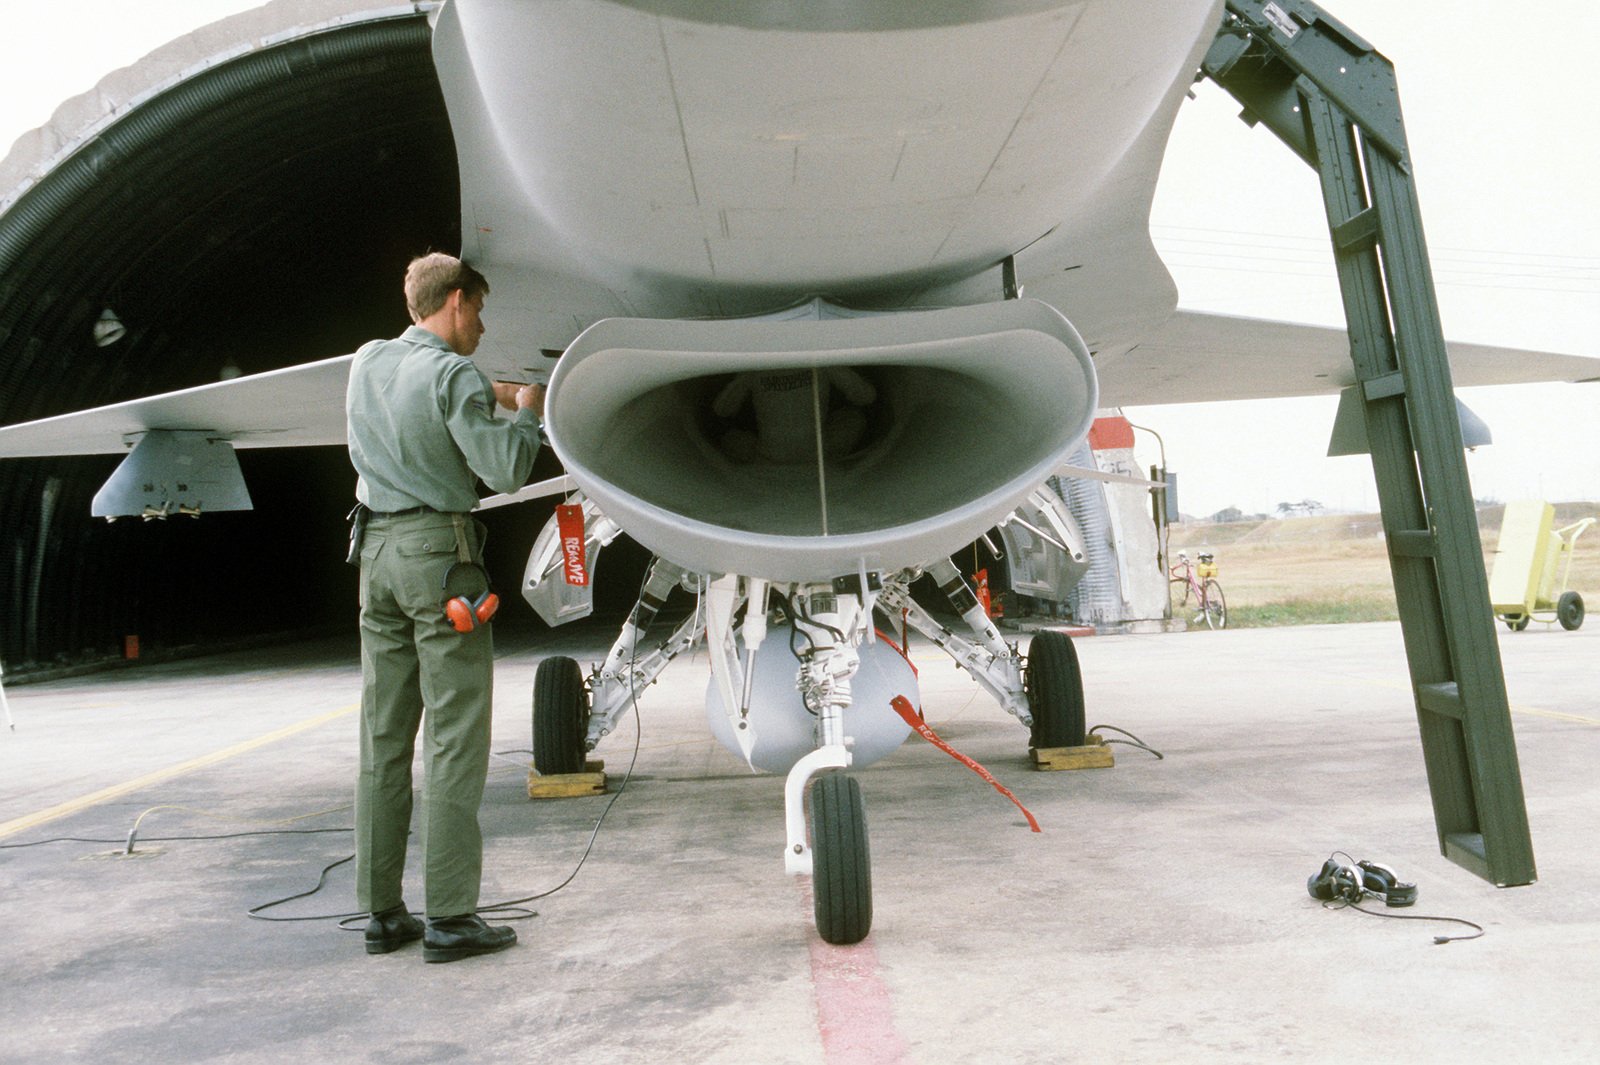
{"points": [[1531, 560]]}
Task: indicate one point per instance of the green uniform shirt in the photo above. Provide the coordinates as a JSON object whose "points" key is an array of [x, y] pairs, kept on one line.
{"points": [[421, 425]]}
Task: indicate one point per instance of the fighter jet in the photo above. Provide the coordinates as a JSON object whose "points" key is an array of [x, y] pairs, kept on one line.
{"points": [[835, 288]]}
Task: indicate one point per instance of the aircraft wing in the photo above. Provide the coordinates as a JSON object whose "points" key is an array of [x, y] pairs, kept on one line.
{"points": [[1198, 357], [1195, 357], [298, 406]]}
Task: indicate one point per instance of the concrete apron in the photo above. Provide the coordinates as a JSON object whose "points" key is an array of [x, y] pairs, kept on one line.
{"points": [[1160, 916]]}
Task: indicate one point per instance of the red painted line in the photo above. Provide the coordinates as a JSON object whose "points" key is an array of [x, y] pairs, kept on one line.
{"points": [[855, 1012]]}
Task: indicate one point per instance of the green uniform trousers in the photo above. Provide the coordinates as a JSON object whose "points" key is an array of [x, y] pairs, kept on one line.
{"points": [[417, 670]]}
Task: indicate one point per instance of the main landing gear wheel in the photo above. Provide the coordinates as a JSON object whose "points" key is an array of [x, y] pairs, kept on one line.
{"points": [[1055, 692], [1569, 610], [841, 882], [560, 717]]}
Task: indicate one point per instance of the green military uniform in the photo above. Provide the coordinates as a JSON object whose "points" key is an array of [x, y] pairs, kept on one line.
{"points": [[421, 431]]}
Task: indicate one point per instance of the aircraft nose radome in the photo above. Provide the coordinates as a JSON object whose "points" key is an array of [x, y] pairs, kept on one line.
{"points": [[702, 438]]}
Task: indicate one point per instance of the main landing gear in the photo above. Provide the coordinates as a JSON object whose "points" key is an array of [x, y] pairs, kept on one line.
{"points": [[826, 627]]}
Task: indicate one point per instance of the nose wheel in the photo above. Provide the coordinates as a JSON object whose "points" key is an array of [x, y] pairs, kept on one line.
{"points": [[842, 869]]}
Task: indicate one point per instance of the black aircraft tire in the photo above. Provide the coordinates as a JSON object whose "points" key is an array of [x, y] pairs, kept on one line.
{"points": [[560, 717], [1055, 692], [1569, 610], [841, 866]]}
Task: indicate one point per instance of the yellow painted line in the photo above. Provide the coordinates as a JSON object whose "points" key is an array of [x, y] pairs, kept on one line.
{"points": [[116, 791], [1554, 715], [1531, 711]]}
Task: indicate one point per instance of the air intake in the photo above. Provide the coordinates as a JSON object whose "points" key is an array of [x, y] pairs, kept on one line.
{"points": [[801, 448]]}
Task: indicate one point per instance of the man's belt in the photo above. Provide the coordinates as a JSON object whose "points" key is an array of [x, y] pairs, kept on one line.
{"points": [[358, 528]]}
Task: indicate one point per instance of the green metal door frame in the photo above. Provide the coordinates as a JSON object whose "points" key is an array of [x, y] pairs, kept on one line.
{"points": [[1333, 99]]}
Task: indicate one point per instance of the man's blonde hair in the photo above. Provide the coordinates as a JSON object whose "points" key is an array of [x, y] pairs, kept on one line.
{"points": [[431, 278]]}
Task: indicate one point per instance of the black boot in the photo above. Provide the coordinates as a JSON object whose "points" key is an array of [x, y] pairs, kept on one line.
{"points": [[454, 938], [392, 929]]}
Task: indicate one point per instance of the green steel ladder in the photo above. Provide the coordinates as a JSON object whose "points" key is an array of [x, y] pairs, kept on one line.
{"points": [[1333, 99]]}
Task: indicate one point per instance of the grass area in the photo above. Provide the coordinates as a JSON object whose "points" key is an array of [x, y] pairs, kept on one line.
{"points": [[1312, 612], [1334, 568]]}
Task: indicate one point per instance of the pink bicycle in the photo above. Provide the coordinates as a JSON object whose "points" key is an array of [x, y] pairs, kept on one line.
{"points": [[1195, 593]]}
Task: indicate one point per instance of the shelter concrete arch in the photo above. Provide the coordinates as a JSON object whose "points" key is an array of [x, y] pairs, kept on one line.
{"points": [[246, 198]]}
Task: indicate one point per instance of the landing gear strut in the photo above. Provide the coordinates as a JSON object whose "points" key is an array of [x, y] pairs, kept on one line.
{"points": [[840, 866]]}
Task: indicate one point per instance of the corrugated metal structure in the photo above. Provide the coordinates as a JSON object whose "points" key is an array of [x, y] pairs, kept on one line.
{"points": [[244, 198]]}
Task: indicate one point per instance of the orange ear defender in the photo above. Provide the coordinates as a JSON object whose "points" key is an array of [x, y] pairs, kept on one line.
{"points": [[466, 614]]}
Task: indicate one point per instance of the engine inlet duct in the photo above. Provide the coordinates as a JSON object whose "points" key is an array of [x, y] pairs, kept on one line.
{"points": [[816, 442]]}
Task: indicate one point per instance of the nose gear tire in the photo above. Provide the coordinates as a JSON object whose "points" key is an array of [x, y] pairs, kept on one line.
{"points": [[841, 865]]}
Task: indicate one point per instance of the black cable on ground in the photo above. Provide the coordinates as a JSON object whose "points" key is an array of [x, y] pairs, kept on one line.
{"points": [[255, 911], [172, 839], [510, 904], [638, 735], [1342, 904], [509, 910], [1132, 741]]}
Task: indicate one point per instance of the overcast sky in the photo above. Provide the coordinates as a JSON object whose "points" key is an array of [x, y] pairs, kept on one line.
{"points": [[1499, 114], [1498, 104]]}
